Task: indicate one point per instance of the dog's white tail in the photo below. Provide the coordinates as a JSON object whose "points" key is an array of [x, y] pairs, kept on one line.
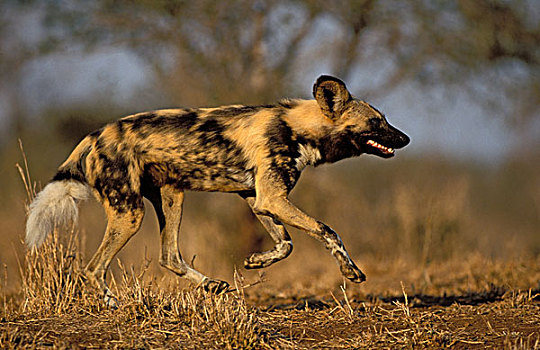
{"points": [[54, 207]]}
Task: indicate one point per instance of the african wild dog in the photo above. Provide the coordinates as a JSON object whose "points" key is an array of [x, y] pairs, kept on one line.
{"points": [[255, 151]]}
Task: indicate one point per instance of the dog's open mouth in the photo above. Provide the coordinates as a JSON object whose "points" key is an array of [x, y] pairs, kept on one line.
{"points": [[383, 149]]}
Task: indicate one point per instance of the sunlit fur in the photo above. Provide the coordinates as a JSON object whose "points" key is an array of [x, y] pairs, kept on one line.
{"points": [[54, 206], [255, 151]]}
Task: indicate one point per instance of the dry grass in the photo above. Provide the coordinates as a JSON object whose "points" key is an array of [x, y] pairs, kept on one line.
{"points": [[424, 288], [54, 309]]}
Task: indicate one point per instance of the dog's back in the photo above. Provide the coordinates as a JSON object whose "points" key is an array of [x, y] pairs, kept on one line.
{"points": [[255, 151]]}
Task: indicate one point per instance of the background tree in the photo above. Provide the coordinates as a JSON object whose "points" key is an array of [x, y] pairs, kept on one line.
{"points": [[214, 52]]}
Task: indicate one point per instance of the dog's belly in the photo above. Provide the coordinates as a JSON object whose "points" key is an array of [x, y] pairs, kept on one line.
{"points": [[200, 177], [218, 180]]}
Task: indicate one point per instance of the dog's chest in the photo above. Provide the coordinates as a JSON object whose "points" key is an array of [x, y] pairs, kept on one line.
{"points": [[309, 155]]}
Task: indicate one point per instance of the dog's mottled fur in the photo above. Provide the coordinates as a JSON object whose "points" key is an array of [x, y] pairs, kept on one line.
{"points": [[255, 151]]}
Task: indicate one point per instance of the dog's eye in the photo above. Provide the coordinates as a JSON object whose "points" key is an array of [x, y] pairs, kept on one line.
{"points": [[375, 122]]}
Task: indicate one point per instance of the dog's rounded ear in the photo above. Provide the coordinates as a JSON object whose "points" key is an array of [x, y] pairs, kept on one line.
{"points": [[332, 96]]}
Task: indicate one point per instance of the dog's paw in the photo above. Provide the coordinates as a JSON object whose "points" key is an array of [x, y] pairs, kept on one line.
{"points": [[254, 261], [215, 286], [353, 273], [250, 265], [264, 259], [110, 300]]}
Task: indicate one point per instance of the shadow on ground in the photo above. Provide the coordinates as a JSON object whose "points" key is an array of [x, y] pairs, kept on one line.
{"points": [[493, 294]]}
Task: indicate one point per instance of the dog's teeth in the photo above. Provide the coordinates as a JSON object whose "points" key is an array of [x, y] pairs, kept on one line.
{"points": [[379, 146]]}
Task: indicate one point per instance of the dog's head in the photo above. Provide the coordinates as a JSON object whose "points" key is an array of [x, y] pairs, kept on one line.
{"points": [[356, 121]]}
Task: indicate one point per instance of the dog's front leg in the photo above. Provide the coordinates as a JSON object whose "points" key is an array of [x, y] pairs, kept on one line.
{"points": [[283, 244], [279, 207]]}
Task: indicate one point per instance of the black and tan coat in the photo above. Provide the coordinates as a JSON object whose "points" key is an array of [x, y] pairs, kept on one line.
{"points": [[255, 151]]}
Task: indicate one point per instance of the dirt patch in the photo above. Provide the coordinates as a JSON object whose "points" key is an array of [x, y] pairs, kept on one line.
{"points": [[486, 319], [466, 304], [510, 321]]}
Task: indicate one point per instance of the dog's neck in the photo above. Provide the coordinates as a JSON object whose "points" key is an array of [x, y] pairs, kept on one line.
{"points": [[321, 143]]}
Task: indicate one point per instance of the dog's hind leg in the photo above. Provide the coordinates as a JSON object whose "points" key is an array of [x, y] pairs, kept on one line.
{"points": [[122, 224], [279, 234], [168, 202]]}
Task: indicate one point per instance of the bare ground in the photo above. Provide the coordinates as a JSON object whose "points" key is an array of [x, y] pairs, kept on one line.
{"points": [[150, 316]]}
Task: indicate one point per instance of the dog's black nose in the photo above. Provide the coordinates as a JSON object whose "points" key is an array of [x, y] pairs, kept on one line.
{"points": [[399, 138], [405, 140]]}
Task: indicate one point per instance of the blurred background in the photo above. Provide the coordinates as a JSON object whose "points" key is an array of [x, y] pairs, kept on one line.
{"points": [[462, 78]]}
